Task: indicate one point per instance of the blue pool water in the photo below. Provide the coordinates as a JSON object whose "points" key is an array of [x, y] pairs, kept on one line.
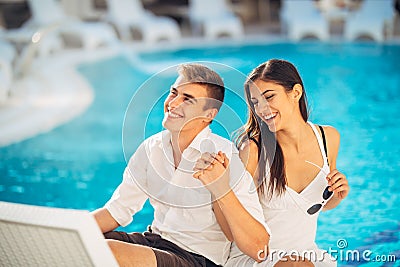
{"points": [[353, 87]]}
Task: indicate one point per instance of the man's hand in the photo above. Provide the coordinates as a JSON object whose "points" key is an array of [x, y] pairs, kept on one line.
{"points": [[213, 171]]}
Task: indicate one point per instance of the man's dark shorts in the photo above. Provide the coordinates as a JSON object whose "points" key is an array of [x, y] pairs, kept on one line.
{"points": [[167, 253]]}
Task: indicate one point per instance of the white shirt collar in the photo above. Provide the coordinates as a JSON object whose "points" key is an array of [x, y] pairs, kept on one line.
{"points": [[200, 143]]}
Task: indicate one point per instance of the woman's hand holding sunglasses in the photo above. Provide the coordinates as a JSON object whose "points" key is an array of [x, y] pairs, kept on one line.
{"points": [[338, 184]]}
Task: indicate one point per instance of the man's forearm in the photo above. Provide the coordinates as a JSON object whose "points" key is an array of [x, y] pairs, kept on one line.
{"points": [[104, 219]]}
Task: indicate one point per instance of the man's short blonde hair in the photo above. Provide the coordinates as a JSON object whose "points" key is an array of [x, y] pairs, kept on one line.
{"points": [[200, 74]]}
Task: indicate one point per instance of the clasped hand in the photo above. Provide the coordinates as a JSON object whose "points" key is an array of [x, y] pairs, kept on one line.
{"points": [[213, 171]]}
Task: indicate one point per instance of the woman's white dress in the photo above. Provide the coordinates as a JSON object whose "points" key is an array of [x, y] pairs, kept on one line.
{"points": [[293, 230]]}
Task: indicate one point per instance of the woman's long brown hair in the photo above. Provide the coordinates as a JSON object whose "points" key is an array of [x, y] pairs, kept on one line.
{"points": [[269, 151]]}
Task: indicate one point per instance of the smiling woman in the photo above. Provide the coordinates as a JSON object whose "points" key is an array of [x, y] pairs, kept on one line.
{"points": [[72, 165], [275, 144]]}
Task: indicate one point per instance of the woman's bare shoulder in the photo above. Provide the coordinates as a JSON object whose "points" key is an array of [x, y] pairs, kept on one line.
{"points": [[249, 147], [332, 135]]}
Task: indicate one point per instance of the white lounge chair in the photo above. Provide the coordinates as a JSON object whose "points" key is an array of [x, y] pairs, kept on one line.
{"points": [[48, 16], [43, 236], [214, 18], [7, 56], [129, 15], [83, 9], [371, 20], [301, 19]]}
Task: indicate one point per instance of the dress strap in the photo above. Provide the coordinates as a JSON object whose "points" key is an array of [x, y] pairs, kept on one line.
{"points": [[255, 141], [324, 141], [257, 144], [321, 141]]}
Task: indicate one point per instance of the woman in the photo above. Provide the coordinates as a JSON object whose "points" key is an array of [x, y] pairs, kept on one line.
{"points": [[293, 163]]}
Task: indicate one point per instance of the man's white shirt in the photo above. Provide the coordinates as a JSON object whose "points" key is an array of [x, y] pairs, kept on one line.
{"points": [[182, 205]]}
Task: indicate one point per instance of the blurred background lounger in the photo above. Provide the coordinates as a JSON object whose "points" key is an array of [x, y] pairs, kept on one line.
{"points": [[214, 19], [42, 236], [7, 57], [374, 20], [301, 19], [50, 22], [130, 19]]}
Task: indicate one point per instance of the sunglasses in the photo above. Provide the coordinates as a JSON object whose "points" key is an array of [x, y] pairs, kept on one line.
{"points": [[316, 207], [325, 195]]}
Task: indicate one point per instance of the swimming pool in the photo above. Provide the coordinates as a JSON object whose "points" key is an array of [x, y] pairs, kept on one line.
{"points": [[354, 87]]}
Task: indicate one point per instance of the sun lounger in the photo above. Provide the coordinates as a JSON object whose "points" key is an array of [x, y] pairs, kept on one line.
{"points": [[50, 22], [42, 236], [302, 19], [129, 16], [371, 20], [7, 56], [214, 19]]}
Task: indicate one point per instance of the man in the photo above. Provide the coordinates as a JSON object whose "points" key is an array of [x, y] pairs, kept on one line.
{"points": [[193, 222]]}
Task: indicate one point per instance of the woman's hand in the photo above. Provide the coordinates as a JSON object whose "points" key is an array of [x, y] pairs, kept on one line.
{"points": [[338, 184], [213, 171]]}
